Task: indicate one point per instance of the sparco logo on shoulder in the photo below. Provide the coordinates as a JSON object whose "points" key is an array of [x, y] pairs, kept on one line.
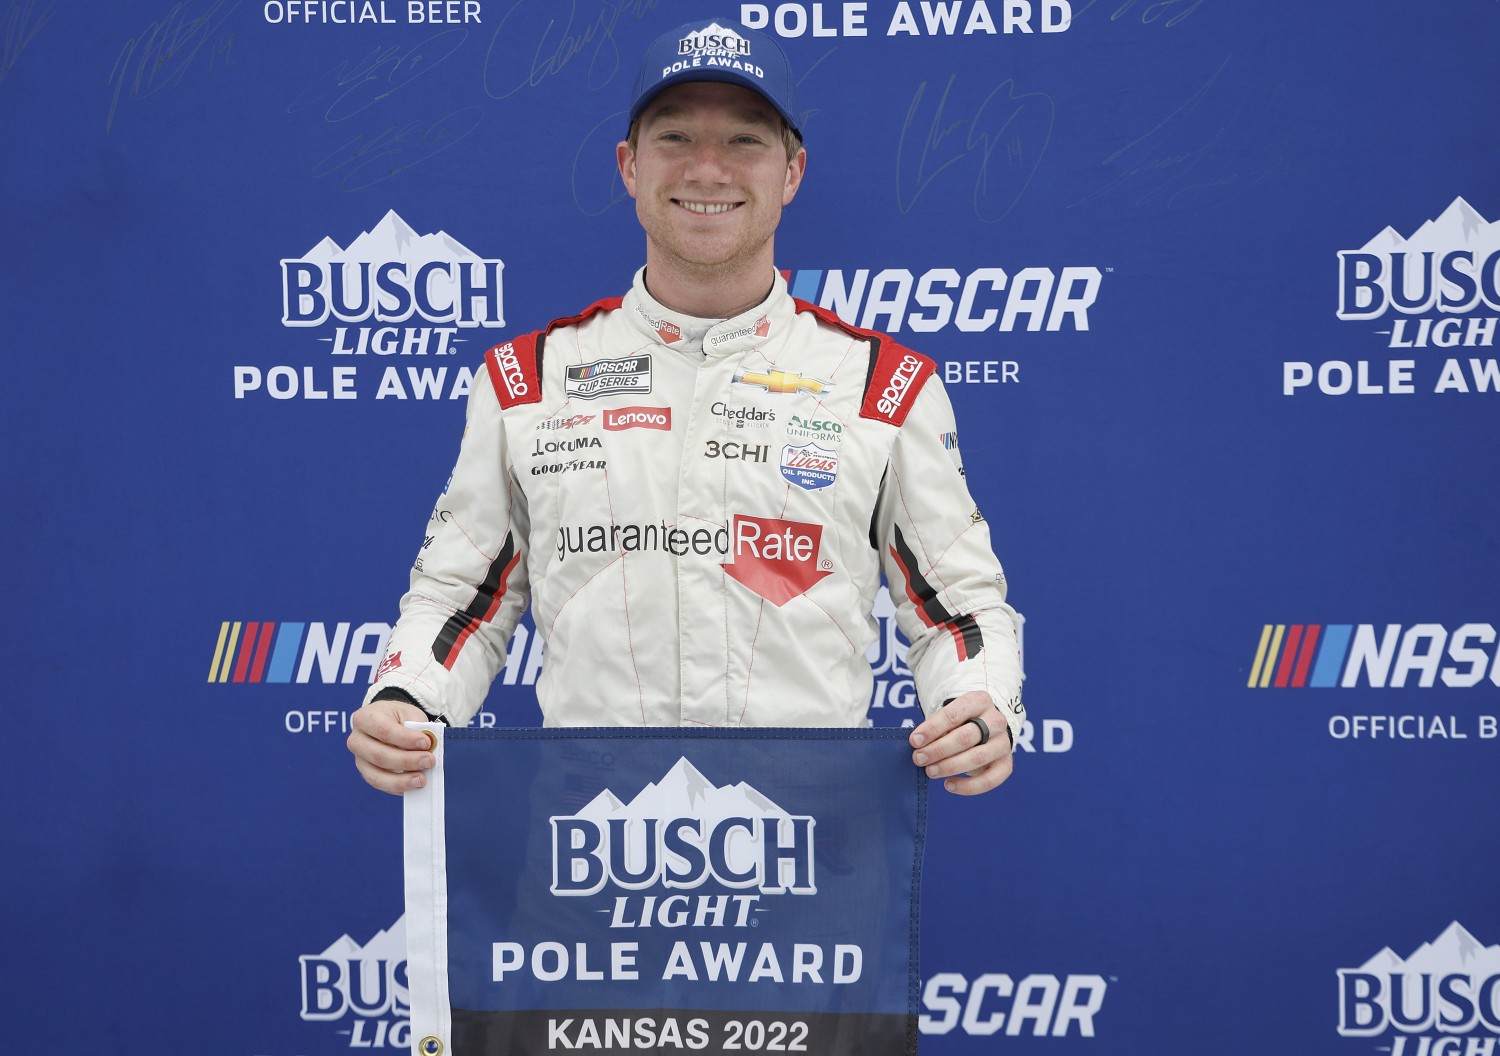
{"points": [[510, 370], [895, 389]]}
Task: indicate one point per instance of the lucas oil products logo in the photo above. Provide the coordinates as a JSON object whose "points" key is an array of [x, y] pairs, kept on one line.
{"points": [[809, 466], [1433, 300], [392, 294], [362, 988], [1441, 1000]]}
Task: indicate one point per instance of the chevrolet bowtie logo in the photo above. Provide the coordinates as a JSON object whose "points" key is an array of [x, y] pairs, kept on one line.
{"points": [[782, 381]]}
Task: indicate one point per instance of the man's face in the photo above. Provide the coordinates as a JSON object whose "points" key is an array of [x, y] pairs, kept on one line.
{"points": [[710, 176]]}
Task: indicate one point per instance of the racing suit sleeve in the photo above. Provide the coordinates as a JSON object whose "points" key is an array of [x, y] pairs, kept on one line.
{"points": [[469, 584], [946, 583]]}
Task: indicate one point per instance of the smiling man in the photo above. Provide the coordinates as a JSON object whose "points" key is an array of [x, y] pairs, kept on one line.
{"points": [[698, 486]]}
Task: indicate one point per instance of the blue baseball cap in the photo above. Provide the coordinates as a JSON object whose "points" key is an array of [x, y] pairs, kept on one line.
{"points": [[717, 49]]}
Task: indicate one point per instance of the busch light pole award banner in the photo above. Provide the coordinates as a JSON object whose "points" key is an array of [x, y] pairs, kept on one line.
{"points": [[665, 890]]}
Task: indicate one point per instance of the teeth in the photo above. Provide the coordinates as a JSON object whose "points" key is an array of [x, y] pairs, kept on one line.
{"points": [[706, 207]]}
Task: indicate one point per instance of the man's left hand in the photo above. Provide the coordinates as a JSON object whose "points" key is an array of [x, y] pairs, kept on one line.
{"points": [[947, 744]]}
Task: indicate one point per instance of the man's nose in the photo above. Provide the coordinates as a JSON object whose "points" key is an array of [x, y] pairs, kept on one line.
{"points": [[709, 163]]}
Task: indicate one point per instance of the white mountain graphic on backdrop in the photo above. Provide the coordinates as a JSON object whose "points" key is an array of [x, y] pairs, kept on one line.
{"points": [[388, 944], [1460, 226], [393, 239], [683, 791], [1454, 951]]}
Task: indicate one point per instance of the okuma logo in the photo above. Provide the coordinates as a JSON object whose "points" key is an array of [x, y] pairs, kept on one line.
{"points": [[365, 984], [1446, 990], [391, 292], [683, 833]]}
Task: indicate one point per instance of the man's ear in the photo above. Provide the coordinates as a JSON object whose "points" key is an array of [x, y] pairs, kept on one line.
{"points": [[795, 168], [625, 159]]}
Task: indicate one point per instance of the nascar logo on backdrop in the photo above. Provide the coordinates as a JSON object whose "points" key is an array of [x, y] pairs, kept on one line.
{"points": [[1380, 656], [899, 301], [390, 294], [297, 652], [1436, 291]]}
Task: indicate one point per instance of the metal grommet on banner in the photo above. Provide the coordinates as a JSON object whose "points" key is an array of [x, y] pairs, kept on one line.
{"points": [[431, 747], [430, 1045], [984, 730]]}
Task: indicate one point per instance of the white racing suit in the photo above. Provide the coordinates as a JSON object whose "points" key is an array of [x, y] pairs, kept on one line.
{"points": [[701, 533]]}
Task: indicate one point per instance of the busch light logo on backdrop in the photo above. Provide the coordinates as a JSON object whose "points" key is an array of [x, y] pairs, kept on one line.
{"points": [[1442, 1000], [1433, 292], [361, 988], [1380, 656], [899, 301], [390, 294]]}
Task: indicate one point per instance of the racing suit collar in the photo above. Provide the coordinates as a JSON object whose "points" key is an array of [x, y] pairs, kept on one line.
{"points": [[708, 337]]}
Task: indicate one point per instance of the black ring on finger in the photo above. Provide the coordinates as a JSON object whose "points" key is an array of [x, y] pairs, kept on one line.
{"points": [[984, 730]]}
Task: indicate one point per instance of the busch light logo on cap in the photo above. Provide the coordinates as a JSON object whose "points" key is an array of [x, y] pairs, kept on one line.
{"points": [[713, 39]]}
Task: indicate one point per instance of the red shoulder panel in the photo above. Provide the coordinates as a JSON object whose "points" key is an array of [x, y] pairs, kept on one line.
{"points": [[609, 304], [513, 371], [897, 377], [516, 366]]}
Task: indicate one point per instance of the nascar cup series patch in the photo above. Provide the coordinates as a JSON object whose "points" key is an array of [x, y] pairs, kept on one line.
{"points": [[711, 891]]}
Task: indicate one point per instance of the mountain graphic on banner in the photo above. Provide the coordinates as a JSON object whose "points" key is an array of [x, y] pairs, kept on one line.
{"points": [[1455, 950], [682, 791]]}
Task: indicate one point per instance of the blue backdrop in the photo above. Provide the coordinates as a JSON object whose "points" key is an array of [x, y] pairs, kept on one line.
{"points": [[1213, 284]]}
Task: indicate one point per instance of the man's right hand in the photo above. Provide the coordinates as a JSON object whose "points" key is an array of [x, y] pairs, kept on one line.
{"points": [[390, 756]]}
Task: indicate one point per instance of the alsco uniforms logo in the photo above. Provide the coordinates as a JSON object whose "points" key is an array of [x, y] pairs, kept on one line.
{"points": [[1346, 655]]}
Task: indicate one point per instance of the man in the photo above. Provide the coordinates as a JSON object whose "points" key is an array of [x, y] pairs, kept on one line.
{"points": [[699, 485]]}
